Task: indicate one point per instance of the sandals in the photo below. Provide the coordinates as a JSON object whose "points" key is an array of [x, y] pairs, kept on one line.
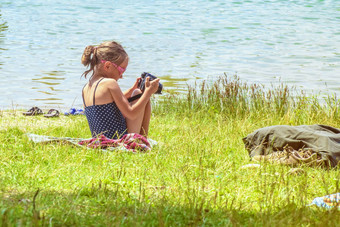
{"points": [[52, 113], [33, 111], [37, 111]]}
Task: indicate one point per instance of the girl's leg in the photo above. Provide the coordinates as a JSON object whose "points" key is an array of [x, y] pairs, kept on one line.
{"points": [[140, 125], [146, 120]]}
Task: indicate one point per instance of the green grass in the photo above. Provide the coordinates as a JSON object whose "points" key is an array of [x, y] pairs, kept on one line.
{"points": [[194, 176]]}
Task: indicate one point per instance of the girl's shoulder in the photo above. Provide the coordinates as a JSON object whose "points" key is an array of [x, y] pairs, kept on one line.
{"points": [[108, 80], [109, 83]]}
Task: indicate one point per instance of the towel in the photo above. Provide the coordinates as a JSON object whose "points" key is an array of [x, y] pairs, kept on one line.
{"points": [[328, 201], [132, 142]]}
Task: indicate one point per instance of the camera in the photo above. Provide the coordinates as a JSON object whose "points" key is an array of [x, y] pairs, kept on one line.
{"points": [[141, 84]]}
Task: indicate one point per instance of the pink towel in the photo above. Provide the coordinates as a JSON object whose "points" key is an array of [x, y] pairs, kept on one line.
{"points": [[132, 141]]}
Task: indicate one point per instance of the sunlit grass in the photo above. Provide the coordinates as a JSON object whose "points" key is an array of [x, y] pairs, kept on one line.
{"points": [[194, 176]]}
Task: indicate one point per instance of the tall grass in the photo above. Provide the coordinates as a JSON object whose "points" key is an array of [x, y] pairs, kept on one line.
{"points": [[234, 99], [194, 176]]}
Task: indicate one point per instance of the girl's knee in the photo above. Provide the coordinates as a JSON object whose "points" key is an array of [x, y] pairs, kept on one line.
{"points": [[136, 92]]}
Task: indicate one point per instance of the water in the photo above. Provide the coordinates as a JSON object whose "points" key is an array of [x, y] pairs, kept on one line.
{"points": [[41, 43]]}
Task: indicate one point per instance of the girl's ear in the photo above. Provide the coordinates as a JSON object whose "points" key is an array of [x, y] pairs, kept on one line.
{"points": [[107, 65]]}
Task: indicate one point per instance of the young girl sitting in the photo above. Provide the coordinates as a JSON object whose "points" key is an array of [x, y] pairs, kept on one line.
{"points": [[107, 108]]}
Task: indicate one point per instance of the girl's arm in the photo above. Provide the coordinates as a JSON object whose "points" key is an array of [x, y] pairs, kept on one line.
{"points": [[132, 112]]}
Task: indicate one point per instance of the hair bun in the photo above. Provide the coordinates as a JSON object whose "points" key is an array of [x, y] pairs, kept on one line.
{"points": [[86, 57]]}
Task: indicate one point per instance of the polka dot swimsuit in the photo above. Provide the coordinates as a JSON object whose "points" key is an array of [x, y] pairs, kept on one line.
{"points": [[105, 119]]}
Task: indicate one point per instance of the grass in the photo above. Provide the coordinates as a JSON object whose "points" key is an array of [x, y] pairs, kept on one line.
{"points": [[194, 176]]}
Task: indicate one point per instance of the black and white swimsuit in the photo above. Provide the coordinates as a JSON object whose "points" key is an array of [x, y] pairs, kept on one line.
{"points": [[105, 119]]}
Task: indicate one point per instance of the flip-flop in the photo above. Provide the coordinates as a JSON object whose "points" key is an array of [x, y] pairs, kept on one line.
{"points": [[70, 112], [74, 111], [33, 111], [52, 113], [79, 112]]}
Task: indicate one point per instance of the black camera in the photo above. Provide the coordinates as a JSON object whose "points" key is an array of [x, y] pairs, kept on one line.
{"points": [[141, 84]]}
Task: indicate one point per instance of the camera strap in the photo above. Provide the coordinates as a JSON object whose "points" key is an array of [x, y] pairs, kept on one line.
{"points": [[131, 99]]}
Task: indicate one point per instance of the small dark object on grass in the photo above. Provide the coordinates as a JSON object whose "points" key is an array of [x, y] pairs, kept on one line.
{"points": [[33, 111], [52, 113]]}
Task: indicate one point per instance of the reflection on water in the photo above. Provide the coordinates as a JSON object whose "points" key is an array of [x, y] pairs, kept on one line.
{"points": [[50, 86], [3, 28], [178, 83]]}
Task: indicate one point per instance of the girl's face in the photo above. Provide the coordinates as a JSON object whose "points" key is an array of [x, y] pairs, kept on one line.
{"points": [[115, 71], [122, 67]]}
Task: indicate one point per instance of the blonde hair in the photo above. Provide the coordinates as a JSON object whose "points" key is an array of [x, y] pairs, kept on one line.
{"points": [[108, 51]]}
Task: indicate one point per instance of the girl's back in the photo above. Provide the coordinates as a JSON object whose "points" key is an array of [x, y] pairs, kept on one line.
{"points": [[103, 117]]}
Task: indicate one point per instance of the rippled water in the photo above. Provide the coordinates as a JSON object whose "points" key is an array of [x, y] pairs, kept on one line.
{"points": [[41, 42]]}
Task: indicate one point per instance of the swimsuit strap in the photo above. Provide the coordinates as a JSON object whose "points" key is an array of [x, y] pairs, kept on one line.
{"points": [[94, 93]]}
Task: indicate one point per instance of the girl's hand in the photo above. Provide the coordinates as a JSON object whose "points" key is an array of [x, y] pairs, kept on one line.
{"points": [[151, 86], [135, 85]]}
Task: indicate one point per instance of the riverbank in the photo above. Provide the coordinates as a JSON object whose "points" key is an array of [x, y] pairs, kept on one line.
{"points": [[194, 176]]}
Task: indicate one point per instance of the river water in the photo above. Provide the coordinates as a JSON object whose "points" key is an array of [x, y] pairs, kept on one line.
{"points": [[261, 41]]}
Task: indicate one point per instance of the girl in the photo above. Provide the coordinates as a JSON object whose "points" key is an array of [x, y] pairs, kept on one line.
{"points": [[107, 108]]}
